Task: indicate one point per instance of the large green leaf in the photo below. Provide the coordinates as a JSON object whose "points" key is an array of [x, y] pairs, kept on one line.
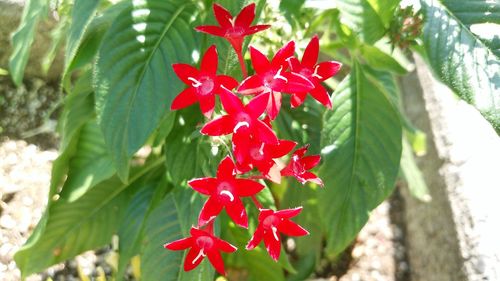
{"points": [[362, 18], [459, 57], [23, 37], [135, 83], [74, 227], [361, 147], [82, 15], [170, 221]]}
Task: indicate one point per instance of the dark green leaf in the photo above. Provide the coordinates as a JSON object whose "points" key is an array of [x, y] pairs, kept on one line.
{"points": [[362, 147], [23, 37], [170, 221], [460, 58], [135, 83], [362, 18]]}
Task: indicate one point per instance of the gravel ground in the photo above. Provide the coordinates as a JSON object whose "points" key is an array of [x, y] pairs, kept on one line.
{"points": [[378, 253]]}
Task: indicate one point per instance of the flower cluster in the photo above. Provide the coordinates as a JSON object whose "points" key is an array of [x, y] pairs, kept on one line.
{"points": [[254, 143]]}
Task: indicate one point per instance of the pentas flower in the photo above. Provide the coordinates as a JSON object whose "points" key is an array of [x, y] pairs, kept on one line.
{"points": [[271, 224], [299, 166], [204, 84], [250, 153], [203, 244], [316, 73], [225, 191], [233, 29], [271, 77], [242, 121]]}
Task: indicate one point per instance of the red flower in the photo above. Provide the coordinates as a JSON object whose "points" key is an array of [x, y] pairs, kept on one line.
{"points": [[299, 164], [250, 153], [241, 120], [233, 29], [271, 77], [202, 243], [225, 192], [271, 223], [203, 83], [316, 73]]}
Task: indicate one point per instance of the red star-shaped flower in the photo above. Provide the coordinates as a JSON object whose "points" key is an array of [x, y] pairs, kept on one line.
{"points": [[250, 153], [299, 166], [271, 77], [225, 192], [202, 244], [241, 120], [271, 224], [233, 29], [204, 84], [316, 73]]}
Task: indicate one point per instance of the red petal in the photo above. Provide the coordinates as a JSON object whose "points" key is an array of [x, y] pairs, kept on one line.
{"points": [[264, 213], [231, 103], [246, 16], [241, 145], [283, 54], [308, 176], [257, 105], [288, 213], [294, 64], [184, 99], [195, 232], [227, 81], [216, 260], [290, 228], [327, 69], [211, 29], [301, 151], [210, 61], [264, 133], [297, 99], [237, 213], [310, 161], [273, 246], [180, 244], [192, 259], [297, 83], [310, 56], [207, 104], [274, 105], [211, 209], [246, 187], [256, 28], [184, 71], [222, 16], [221, 126], [224, 246], [283, 148], [203, 185], [260, 62], [252, 85], [226, 169], [256, 238], [320, 94]]}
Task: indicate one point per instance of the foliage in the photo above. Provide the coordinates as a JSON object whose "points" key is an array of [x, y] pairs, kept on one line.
{"points": [[125, 158]]}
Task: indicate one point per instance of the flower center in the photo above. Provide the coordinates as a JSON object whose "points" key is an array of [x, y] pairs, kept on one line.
{"points": [[204, 85], [205, 243], [257, 153], [243, 121], [225, 191], [236, 31], [306, 72], [297, 167], [270, 221]]}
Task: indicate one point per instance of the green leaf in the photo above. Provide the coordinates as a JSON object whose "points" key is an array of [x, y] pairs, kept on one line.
{"points": [[74, 227], [459, 57], [82, 15], [413, 175], [135, 83], [362, 18], [23, 37], [90, 165], [382, 58], [385, 9], [361, 147], [171, 221]]}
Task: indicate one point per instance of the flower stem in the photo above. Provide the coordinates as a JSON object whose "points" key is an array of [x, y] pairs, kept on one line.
{"points": [[242, 64], [256, 202]]}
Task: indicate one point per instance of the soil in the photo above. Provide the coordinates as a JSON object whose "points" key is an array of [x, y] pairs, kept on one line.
{"points": [[378, 254]]}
